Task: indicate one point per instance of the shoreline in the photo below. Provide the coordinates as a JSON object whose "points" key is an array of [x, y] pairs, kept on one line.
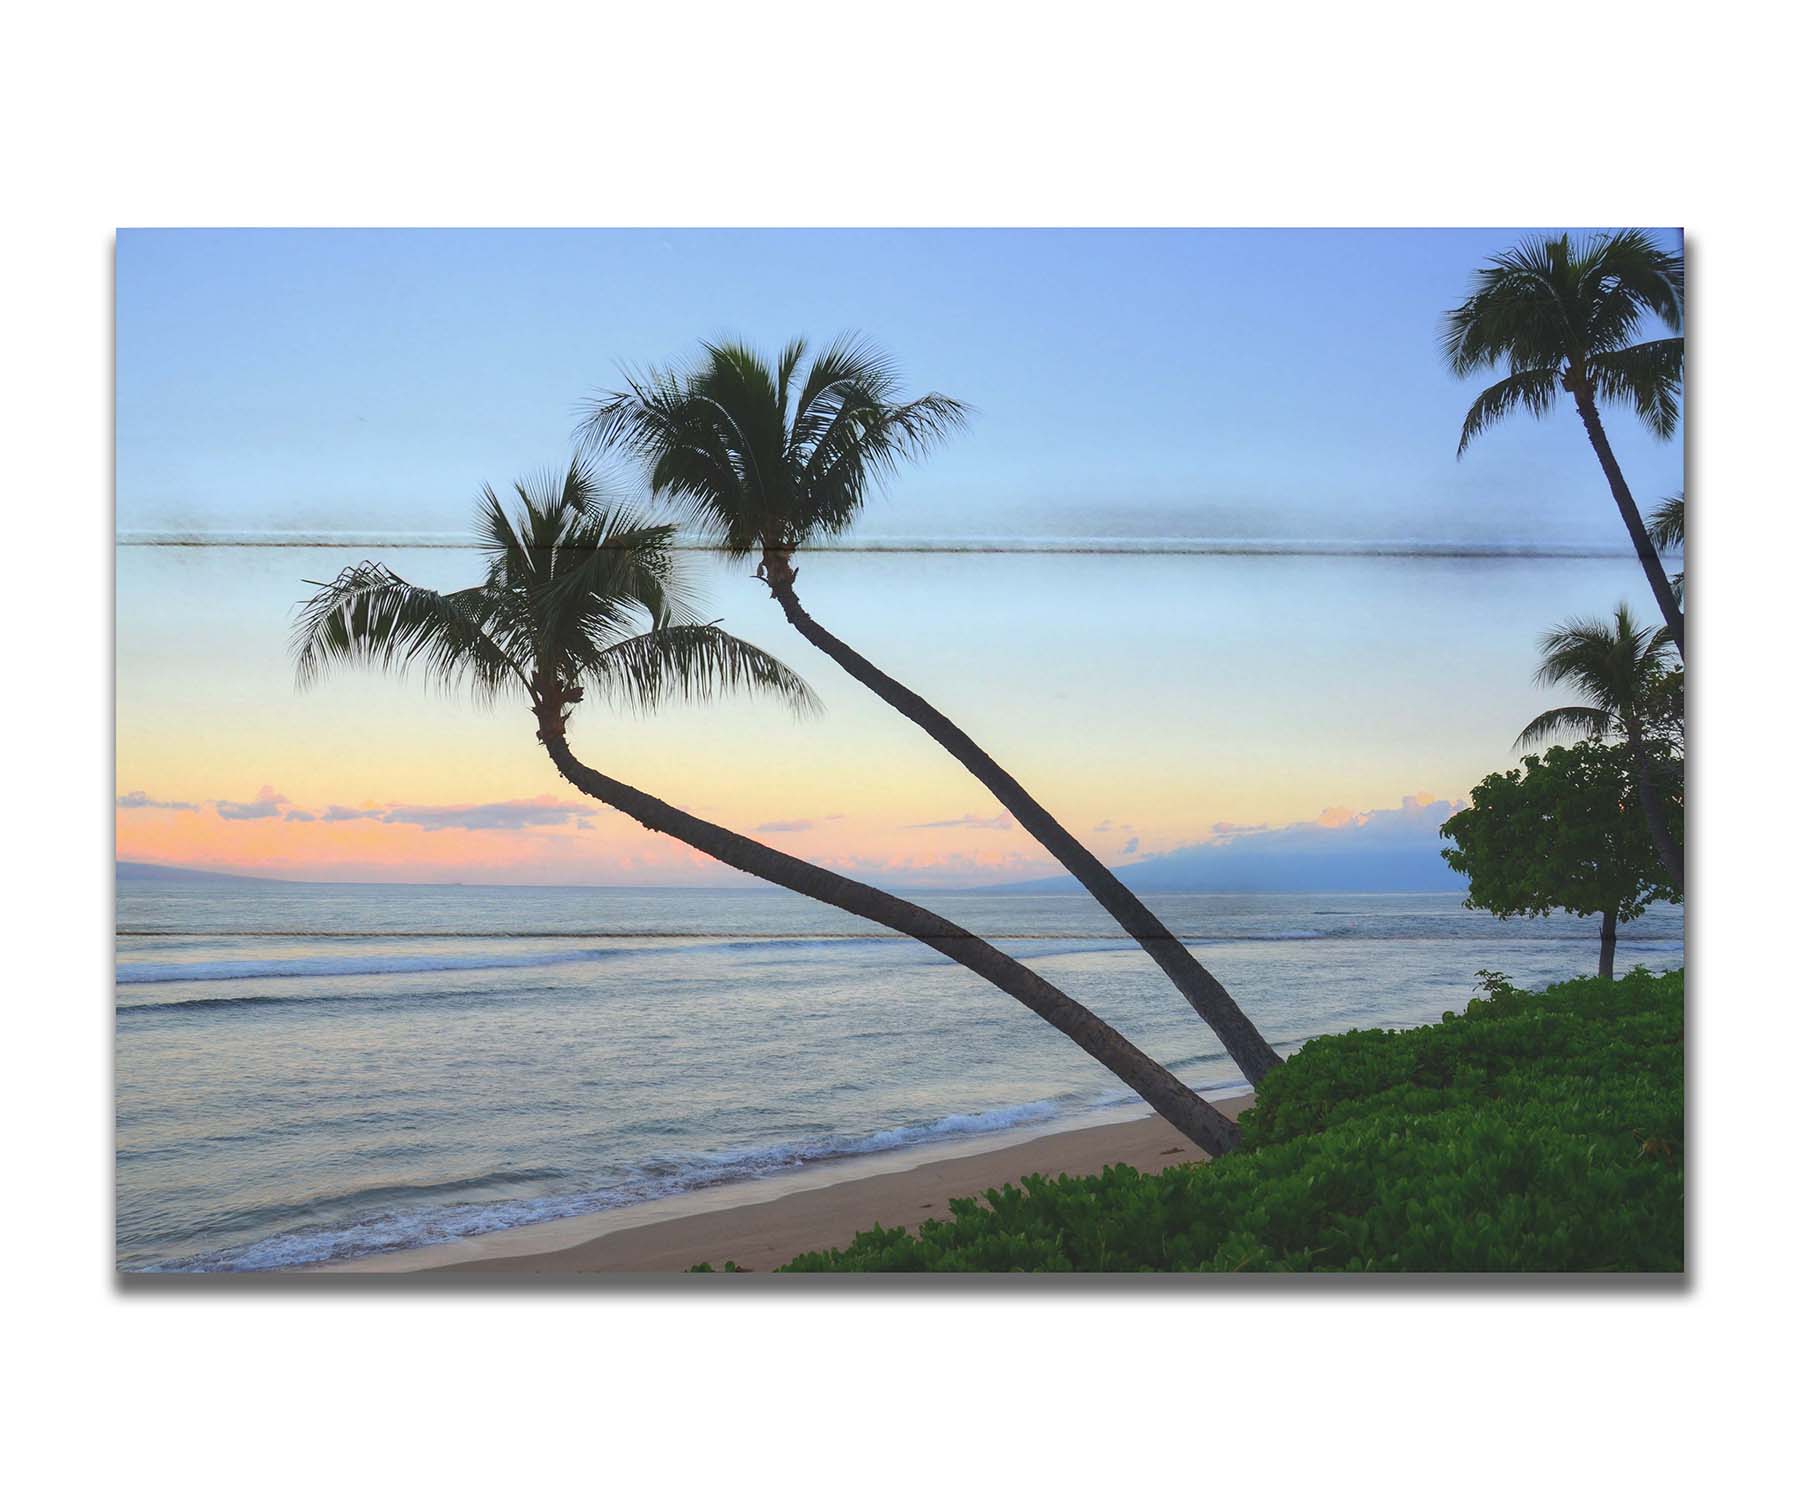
{"points": [[764, 1223]]}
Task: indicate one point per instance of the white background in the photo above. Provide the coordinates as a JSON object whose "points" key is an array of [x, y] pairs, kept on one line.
{"points": [[930, 114]]}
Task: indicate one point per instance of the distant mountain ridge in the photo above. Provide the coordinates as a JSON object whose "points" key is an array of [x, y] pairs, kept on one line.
{"points": [[131, 869], [1389, 849]]}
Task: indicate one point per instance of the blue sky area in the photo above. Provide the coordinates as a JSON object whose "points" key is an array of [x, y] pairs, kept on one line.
{"points": [[359, 388], [1127, 383]]}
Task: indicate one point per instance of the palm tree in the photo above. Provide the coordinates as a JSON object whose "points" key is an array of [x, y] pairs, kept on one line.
{"points": [[1620, 667], [561, 615], [766, 459], [1563, 317], [1668, 529]]}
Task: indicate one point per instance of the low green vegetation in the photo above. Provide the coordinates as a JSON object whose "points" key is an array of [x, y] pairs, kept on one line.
{"points": [[1535, 1132]]}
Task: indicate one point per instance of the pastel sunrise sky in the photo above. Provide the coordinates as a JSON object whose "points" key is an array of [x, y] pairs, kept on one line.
{"points": [[349, 392]]}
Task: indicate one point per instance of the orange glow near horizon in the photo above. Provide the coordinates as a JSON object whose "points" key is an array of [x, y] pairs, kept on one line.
{"points": [[1142, 730], [610, 850]]}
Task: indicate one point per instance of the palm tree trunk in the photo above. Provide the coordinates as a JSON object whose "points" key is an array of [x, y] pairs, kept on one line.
{"points": [[1209, 998], [1199, 1121], [1651, 802], [1634, 523], [1609, 940]]}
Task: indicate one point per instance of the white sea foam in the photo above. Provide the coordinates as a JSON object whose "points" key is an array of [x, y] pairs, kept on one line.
{"points": [[652, 1179]]}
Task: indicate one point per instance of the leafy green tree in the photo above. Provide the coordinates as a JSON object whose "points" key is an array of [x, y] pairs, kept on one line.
{"points": [[1565, 317], [1621, 668], [1560, 833], [583, 600], [767, 458]]}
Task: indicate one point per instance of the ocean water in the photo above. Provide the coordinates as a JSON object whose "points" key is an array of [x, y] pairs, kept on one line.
{"points": [[318, 1072]]}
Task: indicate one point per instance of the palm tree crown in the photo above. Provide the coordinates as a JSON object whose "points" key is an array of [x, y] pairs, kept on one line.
{"points": [[1617, 665], [761, 456], [1562, 315], [579, 596]]}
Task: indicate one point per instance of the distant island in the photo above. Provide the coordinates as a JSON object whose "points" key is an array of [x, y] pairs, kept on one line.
{"points": [[1389, 849], [131, 869]]}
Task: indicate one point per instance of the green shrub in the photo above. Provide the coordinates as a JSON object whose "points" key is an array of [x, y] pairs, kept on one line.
{"points": [[1534, 1132]]}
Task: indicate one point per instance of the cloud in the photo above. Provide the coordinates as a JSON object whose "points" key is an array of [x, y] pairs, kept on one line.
{"points": [[796, 825], [525, 813], [533, 812], [1382, 849], [1131, 845], [139, 799], [336, 814], [969, 820], [268, 804]]}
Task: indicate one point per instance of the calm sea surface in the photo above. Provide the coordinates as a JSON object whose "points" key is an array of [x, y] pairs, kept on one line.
{"points": [[309, 1072]]}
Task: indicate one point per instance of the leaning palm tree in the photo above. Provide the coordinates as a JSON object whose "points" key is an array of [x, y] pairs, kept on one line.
{"points": [[1668, 529], [1565, 317], [583, 599], [767, 458], [1620, 667]]}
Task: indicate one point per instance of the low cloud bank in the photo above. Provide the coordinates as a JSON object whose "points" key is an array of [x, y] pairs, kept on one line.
{"points": [[1385, 849]]}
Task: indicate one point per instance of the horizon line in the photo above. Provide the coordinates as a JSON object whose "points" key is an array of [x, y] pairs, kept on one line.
{"points": [[1004, 887]]}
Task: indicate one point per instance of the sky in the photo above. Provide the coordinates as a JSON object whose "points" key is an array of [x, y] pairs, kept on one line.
{"points": [[352, 391]]}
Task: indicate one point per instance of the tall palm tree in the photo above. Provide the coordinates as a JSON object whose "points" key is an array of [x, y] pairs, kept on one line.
{"points": [[1564, 317], [1620, 668], [582, 598], [767, 458]]}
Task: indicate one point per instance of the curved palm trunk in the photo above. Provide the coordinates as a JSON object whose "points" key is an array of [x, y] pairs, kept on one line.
{"points": [[1208, 997], [1609, 940], [1651, 802], [1634, 523], [1161, 1089]]}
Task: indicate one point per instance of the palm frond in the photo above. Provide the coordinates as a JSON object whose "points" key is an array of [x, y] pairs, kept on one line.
{"points": [[791, 355], [1668, 532], [616, 573], [1518, 312], [693, 664], [1612, 662], [370, 616], [689, 447], [1645, 377], [848, 372], [635, 418], [864, 447], [1534, 391], [1623, 278], [1574, 722], [1668, 523]]}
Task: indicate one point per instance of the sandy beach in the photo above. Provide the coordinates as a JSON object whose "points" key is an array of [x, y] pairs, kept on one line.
{"points": [[762, 1225]]}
